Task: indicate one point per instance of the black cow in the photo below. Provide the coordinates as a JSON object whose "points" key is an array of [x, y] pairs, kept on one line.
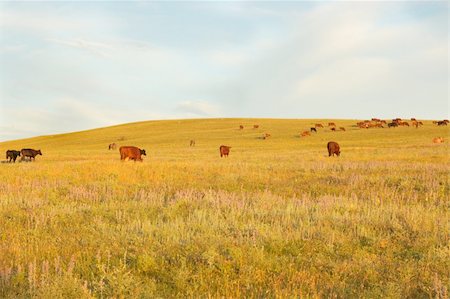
{"points": [[313, 130], [12, 155], [30, 153]]}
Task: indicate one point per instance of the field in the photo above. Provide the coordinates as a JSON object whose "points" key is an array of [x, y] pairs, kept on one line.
{"points": [[277, 218]]}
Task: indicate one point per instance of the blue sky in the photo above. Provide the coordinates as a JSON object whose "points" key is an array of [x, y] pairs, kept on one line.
{"points": [[67, 66]]}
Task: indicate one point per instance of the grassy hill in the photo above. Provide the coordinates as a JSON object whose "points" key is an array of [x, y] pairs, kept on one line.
{"points": [[278, 217]]}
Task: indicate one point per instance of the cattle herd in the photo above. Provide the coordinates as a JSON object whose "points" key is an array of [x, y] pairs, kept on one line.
{"points": [[135, 153]]}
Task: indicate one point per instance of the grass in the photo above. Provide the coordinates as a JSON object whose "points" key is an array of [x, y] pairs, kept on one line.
{"points": [[277, 218]]}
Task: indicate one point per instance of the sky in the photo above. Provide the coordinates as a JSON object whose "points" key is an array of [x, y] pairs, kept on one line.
{"points": [[70, 66]]}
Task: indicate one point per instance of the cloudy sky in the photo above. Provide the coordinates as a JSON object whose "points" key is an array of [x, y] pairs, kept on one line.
{"points": [[77, 65]]}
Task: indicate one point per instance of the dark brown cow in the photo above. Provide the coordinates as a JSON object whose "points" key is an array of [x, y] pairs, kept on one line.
{"points": [[333, 148], [192, 143], [442, 123], [224, 150], [131, 153], [241, 127], [12, 155], [331, 124], [333, 129], [255, 126], [413, 119], [393, 124], [266, 135], [112, 146], [313, 130], [30, 153], [318, 125]]}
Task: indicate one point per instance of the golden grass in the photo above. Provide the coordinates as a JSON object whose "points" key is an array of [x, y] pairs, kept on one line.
{"points": [[277, 218]]}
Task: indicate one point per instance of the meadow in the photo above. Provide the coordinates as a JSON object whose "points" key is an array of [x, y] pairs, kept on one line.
{"points": [[278, 218]]}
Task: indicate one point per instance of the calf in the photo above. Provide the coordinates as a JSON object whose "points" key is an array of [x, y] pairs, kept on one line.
{"points": [[224, 150]]}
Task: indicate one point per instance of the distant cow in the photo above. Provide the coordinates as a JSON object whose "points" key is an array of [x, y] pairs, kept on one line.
{"points": [[393, 124], [333, 129], [224, 150], [305, 133], [30, 153], [12, 155], [313, 130], [266, 135], [342, 128], [331, 124], [413, 119], [376, 119], [131, 153], [192, 143], [438, 140], [318, 125], [112, 146], [255, 126], [241, 127], [442, 123], [333, 148]]}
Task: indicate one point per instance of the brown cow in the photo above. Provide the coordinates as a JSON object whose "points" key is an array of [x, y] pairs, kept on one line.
{"points": [[241, 127], [318, 125], [255, 126], [333, 148], [438, 140], [112, 146], [224, 150], [333, 129], [131, 153], [305, 133], [413, 119], [442, 123], [30, 153], [192, 143], [331, 124], [342, 128], [265, 136]]}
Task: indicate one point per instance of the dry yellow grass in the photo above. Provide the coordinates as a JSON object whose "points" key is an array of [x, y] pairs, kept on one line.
{"points": [[277, 218]]}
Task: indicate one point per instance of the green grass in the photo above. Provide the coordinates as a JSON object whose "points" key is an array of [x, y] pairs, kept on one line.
{"points": [[277, 218]]}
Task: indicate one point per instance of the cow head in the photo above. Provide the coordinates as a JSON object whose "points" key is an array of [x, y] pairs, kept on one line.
{"points": [[39, 152], [143, 152]]}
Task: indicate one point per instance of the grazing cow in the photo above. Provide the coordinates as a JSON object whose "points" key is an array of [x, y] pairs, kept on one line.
{"points": [[420, 123], [333, 148], [30, 153], [224, 150], [342, 128], [131, 153], [331, 124], [112, 146], [318, 125], [305, 133], [441, 123], [265, 136], [393, 124], [313, 130], [12, 155], [403, 123], [241, 127], [192, 143], [438, 140], [333, 129], [255, 126]]}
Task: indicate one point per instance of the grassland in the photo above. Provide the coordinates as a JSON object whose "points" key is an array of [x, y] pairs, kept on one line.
{"points": [[277, 218]]}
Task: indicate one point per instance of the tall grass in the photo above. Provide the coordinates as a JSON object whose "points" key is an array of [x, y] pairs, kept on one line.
{"points": [[278, 218]]}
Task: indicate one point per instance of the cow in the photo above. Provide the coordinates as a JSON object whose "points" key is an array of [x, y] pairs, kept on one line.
{"points": [[438, 140], [224, 150], [441, 123], [376, 119], [333, 129], [331, 124], [265, 136], [131, 153], [333, 148], [192, 143], [318, 125], [12, 155], [313, 130], [112, 146], [241, 127], [30, 153], [342, 128], [446, 120], [255, 126], [393, 124], [413, 119], [305, 133]]}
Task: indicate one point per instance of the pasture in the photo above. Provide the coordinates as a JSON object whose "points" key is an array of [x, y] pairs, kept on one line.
{"points": [[277, 218]]}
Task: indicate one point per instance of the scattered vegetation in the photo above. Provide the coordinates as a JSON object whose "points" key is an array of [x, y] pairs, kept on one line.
{"points": [[277, 218]]}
